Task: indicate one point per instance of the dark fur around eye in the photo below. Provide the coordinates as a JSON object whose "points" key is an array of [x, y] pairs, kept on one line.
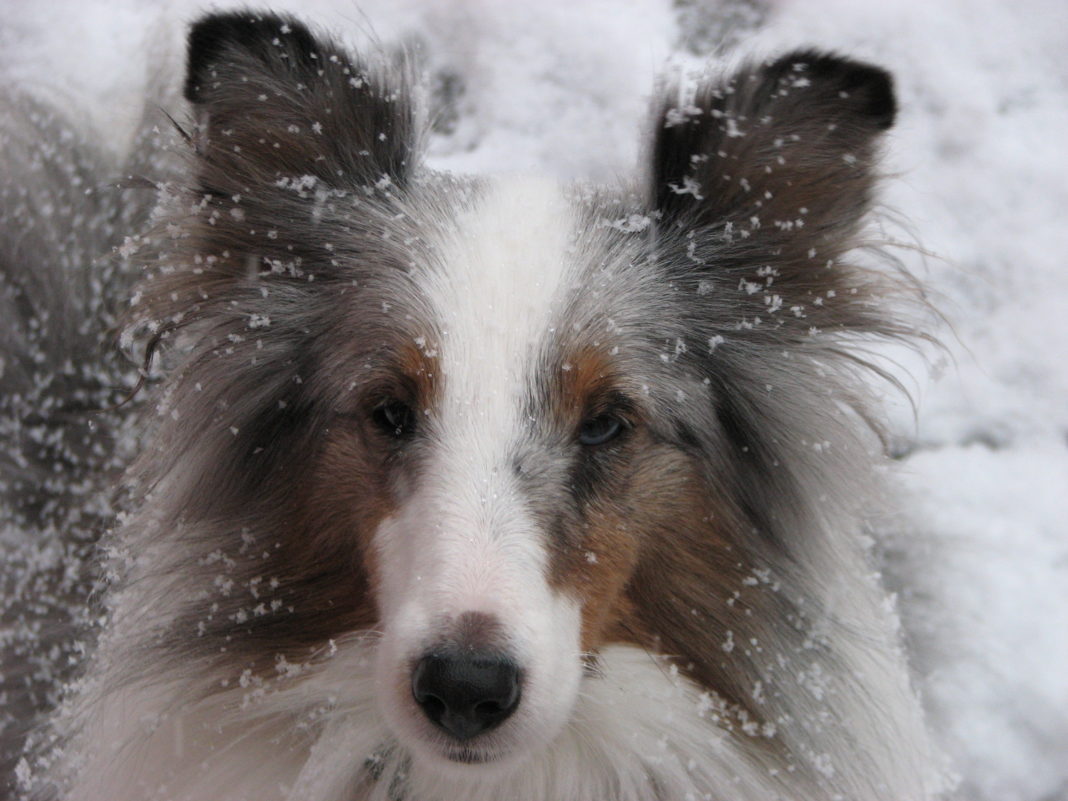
{"points": [[394, 418], [600, 429]]}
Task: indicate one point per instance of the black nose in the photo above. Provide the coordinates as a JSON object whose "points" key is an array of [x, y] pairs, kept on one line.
{"points": [[466, 694]]}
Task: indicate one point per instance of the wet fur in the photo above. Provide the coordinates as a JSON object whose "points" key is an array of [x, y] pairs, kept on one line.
{"points": [[737, 644]]}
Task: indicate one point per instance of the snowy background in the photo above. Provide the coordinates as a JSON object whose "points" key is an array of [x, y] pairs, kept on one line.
{"points": [[979, 170]]}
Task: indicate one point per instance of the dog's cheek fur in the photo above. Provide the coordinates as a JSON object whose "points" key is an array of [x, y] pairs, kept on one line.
{"points": [[658, 567], [361, 476], [349, 495], [621, 522]]}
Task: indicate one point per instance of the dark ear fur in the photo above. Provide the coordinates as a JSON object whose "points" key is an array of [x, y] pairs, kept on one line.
{"points": [[261, 36], [276, 101], [292, 133], [762, 181], [787, 143]]}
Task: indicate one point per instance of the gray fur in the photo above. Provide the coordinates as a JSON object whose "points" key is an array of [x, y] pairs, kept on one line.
{"points": [[281, 276]]}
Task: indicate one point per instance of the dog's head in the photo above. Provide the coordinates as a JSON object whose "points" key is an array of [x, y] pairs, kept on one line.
{"points": [[495, 424]]}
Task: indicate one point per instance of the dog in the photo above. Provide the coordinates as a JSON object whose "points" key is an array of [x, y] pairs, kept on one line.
{"points": [[459, 489]]}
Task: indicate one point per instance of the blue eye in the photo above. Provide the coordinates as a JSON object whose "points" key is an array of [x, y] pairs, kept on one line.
{"points": [[599, 430]]}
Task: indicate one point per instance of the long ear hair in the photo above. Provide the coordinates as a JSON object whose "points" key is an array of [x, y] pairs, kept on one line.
{"points": [[764, 180], [277, 101], [288, 129], [761, 184]]}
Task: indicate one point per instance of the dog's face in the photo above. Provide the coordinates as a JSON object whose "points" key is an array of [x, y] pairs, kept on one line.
{"points": [[495, 456], [480, 656], [495, 425], [501, 434]]}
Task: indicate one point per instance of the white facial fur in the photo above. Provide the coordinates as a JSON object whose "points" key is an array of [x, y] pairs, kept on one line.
{"points": [[464, 540]]}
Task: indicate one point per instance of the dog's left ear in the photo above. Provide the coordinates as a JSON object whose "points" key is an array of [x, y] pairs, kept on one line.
{"points": [[277, 102], [775, 163]]}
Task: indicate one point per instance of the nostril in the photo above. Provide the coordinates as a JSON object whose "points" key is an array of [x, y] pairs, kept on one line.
{"points": [[433, 706], [466, 694]]}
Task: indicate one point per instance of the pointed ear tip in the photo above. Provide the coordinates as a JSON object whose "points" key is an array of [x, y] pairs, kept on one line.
{"points": [[883, 99], [877, 86], [213, 33], [871, 87]]}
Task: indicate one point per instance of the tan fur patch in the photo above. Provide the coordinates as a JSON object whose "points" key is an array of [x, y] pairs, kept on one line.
{"points": [[350, 490], [650, 553], [418, 363], [584, 377]]}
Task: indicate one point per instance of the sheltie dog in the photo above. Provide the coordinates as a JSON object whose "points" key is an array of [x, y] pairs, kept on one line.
{"points": [[473, 489]]}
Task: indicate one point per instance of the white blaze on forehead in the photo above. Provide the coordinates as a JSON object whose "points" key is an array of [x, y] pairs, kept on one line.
{"points": [[465, 539], [503, 275], [499, 284]]}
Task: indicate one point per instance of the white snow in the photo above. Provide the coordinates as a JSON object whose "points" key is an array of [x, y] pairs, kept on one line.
{"points": [[978, 168]]}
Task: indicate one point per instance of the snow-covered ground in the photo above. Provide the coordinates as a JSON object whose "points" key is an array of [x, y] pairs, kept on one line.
{"points": [[979, 170]]}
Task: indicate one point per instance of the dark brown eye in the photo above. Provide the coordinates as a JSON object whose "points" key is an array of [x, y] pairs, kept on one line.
{"points": [[394, 418], [599, 430]]}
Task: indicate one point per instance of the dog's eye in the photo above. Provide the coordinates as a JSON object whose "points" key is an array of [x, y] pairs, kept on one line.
{"points": [[394, 418], [599, 430]]}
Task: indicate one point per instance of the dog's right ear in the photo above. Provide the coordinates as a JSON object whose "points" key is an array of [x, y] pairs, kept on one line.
{"points": [[277, 102]]}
